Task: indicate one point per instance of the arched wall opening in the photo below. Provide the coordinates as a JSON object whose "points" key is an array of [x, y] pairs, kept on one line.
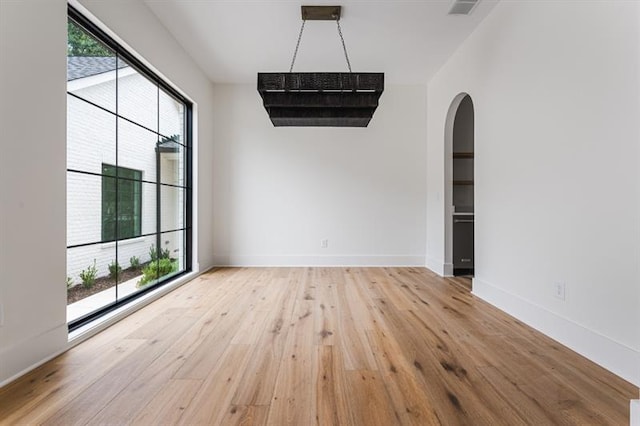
{"points": [[459, 186]]}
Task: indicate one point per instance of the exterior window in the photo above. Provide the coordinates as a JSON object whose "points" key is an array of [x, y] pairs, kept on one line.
{"points": [[126, 185], [129, 178]]}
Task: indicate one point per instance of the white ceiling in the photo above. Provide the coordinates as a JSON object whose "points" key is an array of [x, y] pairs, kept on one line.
{"points": [[234, 40]]}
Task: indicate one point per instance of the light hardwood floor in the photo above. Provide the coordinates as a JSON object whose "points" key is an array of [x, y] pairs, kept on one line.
{"points": [[327, 346]]}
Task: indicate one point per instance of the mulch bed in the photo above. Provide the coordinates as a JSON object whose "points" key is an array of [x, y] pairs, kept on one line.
{"points": [[79, 292]]}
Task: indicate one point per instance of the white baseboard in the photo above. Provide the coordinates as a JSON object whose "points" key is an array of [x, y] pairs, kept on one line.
{"points": [[448, 270], [435, 265], [28, 354], [635, 413], [614, 356], [294, 260]]}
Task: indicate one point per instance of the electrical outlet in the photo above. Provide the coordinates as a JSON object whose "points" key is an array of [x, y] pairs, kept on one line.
{"points": [[324, 243], [560, 290]]}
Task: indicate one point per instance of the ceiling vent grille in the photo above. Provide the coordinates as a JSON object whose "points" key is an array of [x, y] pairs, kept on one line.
{"points": [[462, 7]]}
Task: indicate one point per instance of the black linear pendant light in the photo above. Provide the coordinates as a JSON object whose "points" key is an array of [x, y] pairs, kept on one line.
{"points": [[323, 99]]}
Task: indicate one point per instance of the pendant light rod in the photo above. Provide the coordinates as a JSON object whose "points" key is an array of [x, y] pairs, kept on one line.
{"points": [[295, 52], [344, 47], [320, 13]]}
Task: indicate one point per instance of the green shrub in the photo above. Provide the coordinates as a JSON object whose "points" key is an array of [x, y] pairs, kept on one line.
{"points": [[88, 276], [69, 282], [134, 262], [114, 270], [158, 254], [156, 270]]}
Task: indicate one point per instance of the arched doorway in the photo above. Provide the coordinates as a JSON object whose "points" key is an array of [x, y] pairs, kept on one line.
{"points": [[460, 194]]}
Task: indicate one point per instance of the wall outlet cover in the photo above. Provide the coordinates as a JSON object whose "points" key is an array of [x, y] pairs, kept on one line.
{"points": [[560, 290]]}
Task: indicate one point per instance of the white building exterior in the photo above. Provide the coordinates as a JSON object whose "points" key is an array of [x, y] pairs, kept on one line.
{"points": [[92, 136]]}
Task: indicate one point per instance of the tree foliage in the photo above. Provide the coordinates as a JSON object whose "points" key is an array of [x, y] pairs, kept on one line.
{"points": [[79, 43]]}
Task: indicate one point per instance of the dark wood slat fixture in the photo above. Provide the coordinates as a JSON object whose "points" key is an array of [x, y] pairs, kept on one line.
{"points": [[320, 99]]}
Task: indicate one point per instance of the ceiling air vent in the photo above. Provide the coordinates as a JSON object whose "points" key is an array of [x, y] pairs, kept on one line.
{"points": [[462, 7]]}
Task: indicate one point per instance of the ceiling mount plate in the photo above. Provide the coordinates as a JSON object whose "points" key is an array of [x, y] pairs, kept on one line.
{"points": [[321, 13]]}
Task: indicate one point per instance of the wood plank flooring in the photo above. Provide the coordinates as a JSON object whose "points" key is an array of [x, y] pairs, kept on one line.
{"points": [[319, 346]]}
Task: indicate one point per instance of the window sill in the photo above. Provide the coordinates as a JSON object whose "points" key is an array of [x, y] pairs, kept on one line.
{"points": [[112, 244], [91, 329]]}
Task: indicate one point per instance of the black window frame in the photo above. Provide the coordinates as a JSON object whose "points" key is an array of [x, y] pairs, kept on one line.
{"points": [[122, 54]]}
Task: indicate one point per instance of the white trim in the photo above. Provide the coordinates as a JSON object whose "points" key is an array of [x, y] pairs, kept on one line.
{"points": [[448, 270], [449, 208], [112, 244], [195, 187], [439, 267], [311, 260], [37, 350], [635, 412], [614, 356]]}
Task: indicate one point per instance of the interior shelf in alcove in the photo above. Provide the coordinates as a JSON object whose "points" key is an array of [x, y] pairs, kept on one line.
{"points": [[463, 182], [457, 155]]}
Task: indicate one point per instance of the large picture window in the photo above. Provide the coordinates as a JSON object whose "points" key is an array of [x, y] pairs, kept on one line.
{"points": [[129, 191]]}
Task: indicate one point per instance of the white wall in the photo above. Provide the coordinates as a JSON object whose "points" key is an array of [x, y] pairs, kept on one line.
{"points": [[280, 191], [33, 162], [557, 189], [32, 182]]}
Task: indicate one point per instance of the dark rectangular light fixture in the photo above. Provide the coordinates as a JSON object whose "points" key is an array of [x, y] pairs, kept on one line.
{"points": [[320, 99]]}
